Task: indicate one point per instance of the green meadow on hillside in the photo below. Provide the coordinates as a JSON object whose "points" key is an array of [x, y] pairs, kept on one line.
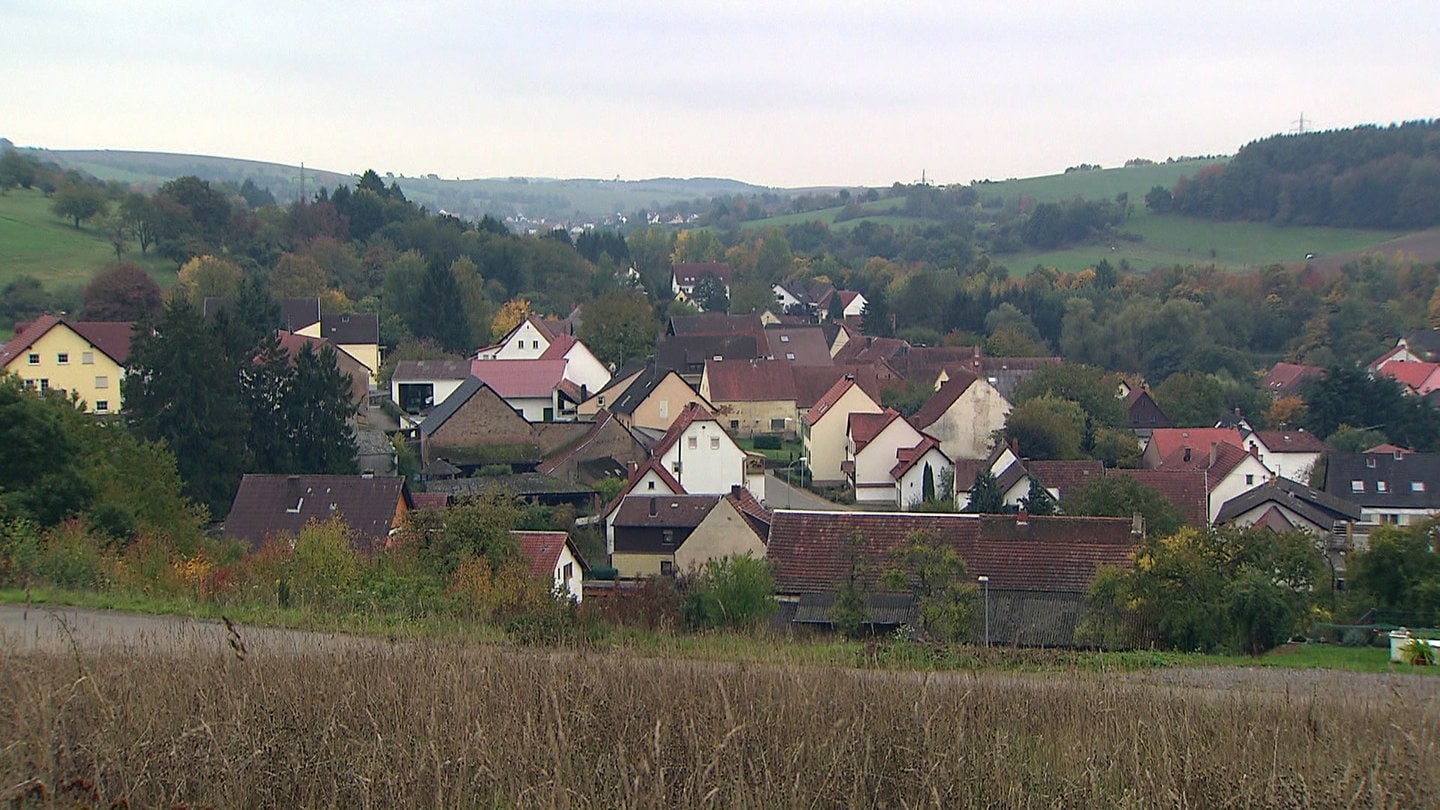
{"points": [[36, 242]]}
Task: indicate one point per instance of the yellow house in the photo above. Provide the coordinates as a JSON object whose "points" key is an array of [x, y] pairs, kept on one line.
{"points": [[84, 357]]}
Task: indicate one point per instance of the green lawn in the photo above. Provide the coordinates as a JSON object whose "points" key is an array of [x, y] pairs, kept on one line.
{"points": [[34, 241]]}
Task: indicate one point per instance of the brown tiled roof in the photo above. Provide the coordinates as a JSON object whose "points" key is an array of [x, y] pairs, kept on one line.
{"points": [[749, 381], [269, 505], [940, 402], [1286, 378], [683, 352], [664, 511], [813, 382], [1165, 442], [651, 465], [826, 402], [1186, 489], [756, 516], [906, 457], [1219, 460], [716, 323], [1291, 441], [1066, 476], [430, 500], [813, 551], [866, 349]]}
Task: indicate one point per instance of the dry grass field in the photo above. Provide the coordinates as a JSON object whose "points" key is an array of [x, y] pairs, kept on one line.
{"points": [[288, 720]]}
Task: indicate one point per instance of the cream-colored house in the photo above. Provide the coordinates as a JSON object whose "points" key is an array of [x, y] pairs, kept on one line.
{"points": [[86, 358], [652, 400], [752, 396], [736, 526], [824, 425], [888, 458], [964, 414]]}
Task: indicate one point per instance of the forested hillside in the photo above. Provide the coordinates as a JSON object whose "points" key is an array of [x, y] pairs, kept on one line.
{"points": [[1369, 177]]}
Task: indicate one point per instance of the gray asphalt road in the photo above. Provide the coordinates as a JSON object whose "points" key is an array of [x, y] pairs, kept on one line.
{"points": [[780, 495], [56, 629]]}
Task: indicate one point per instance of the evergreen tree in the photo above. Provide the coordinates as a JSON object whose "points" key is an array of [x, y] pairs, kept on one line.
{"points": [[1039, 501], [985, 495], [317, 408], [184, 388]]}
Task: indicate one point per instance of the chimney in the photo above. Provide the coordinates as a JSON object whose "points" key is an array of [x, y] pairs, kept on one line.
{"points": [[735, 490], [1022, 518], [1137, 524], [1187, 455], [1214, 447]]}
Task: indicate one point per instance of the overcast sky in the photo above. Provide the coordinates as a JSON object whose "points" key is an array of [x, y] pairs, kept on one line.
{"points": [[775, 93]]}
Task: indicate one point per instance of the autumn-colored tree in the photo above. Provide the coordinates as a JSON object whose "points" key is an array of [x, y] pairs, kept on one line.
{"points": [[1287, 411], [296, 276], [511, 314], [697, 246], [122, 292], [209, 277]]}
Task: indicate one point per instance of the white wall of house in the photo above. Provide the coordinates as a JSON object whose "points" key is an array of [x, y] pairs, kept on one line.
{"points": [[583, 368], [567, 574], [705, 460], [1249, 474], [910, 489], [441, 388], [967, 428], [524, 343], [873, 483], [856, 307], [825, 441]]}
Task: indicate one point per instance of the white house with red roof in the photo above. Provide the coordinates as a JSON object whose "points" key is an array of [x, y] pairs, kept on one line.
{"points": [[536, 339], [824, 427], [86, 358], [888, 459], [1289, 454], [537, 389], [704, 459], [553, 559]]}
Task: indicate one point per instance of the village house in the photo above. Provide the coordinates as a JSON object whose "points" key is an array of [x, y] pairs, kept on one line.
{"points": [[824, 427], [372, 507], [419, 385], [1037, 568], [704, 459], [1392, 486], [537, 339], [686, 275], [889, 463], [964, 413], [752, 396], [553, 559], [86, 358]]}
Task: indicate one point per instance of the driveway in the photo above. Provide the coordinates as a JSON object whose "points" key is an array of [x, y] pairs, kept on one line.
{"points": [[780, 495]]}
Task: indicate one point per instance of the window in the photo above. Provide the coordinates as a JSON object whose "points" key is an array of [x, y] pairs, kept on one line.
{"points": [[789, 355], [44, 385], [668, 537], [692, 442], [784, 338], [102, 382], [650, 485], [734, 424], [63, 358], [1381, 486], [87, 358], [1370, 462], [33, 359], [714, 442], [602, 400], [102, 406], [664, 409], [667, 568], [777, 424], [1357, 486], [568, 572], [1417, 486], [1249, 480]]}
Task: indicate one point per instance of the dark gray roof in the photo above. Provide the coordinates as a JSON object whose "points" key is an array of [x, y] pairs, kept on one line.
{"points": [[268, 505], [351, 327], [1426, 341], [1412, 480], [1318, 507], [881, 609], [638, 390], [689, 352]]}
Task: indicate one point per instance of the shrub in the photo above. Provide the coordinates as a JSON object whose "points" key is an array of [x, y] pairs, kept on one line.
{"points": [[767, 442], [732, 592], [324, 567], [71, 558], [20, 550]]}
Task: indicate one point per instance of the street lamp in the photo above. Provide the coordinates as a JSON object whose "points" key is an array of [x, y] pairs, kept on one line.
{"points": [[985, 581]]}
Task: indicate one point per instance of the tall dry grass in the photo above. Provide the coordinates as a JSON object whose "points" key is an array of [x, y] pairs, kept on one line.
{"points": [[373, 724]]}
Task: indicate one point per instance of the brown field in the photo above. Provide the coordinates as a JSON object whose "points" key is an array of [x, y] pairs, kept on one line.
{"points": [[174, 715]]}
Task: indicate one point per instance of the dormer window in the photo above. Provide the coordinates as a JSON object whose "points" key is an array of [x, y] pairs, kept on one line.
{"points": [[1370, 462], [1417, 486], [1357, 486], [1381, 486], [784, 338]]}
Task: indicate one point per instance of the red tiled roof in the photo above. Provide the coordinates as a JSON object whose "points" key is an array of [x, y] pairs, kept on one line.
{"points": [[1186, 489], [907, 457], [812, 383], [864, 427], [541, 551], [559, 345], [1286, 378], [112, 338], [813, 552], [749, 380], [754, 512], [431, 500], [1218, 461], [941, 401], [517, 379], [1165, 442], [826, 402], [1411, 375]]}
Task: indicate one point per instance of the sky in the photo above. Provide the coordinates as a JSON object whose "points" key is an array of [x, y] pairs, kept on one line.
{"points": [[784, 94]]}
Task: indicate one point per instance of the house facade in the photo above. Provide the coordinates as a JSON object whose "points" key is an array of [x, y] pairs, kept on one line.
{"points": [[752, 397], [645, 531], [964, 414], [704, 459], [737, 525], [84, 358], [1394, 487], [883, 453], [824, 427], [553, 559]]}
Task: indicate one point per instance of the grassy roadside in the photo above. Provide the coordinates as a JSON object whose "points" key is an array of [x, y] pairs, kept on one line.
{"points": [[763, 648]]}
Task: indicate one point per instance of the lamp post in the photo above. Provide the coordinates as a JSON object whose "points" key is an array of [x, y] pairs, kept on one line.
{"points": [[985, 582]]}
